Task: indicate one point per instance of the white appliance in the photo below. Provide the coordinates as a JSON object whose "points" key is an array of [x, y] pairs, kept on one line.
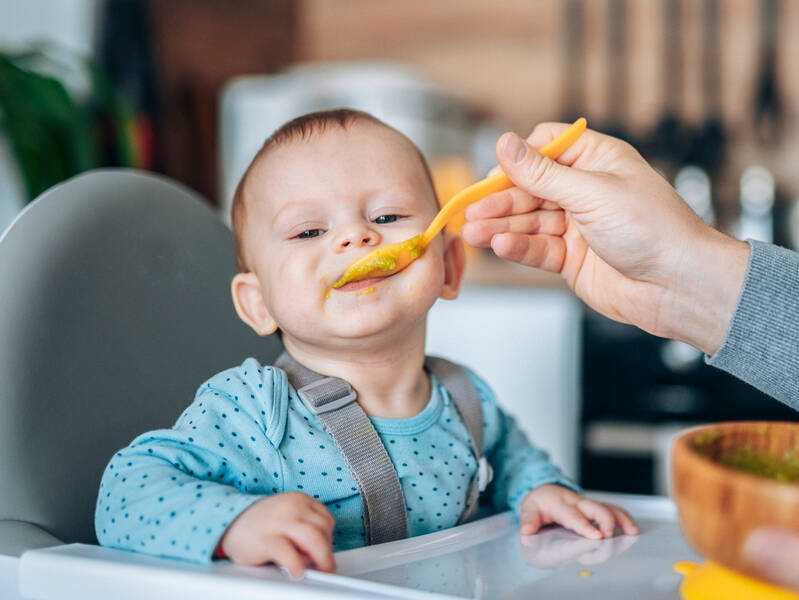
{"points": [[525, 342]]}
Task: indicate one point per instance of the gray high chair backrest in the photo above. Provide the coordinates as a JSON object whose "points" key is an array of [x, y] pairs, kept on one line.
{"points": [[114, 307]]}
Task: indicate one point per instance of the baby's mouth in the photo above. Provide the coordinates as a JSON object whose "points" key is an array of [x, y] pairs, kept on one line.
{"points": [[354, 286]]}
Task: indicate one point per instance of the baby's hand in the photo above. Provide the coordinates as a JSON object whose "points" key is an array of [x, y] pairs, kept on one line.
{"points": [[556, 504], [291, 530]]}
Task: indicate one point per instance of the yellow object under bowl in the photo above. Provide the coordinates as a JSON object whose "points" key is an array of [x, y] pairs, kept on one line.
{"points": [[711, 581]]}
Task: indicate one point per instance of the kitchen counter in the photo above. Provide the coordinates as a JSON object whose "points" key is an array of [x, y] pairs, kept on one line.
{"points": [[483, 559]]}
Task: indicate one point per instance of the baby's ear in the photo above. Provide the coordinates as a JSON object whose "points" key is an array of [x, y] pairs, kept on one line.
{"points": [[249, 302], [454, 265]]}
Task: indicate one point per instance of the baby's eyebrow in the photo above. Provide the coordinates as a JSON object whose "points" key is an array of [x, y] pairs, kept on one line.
{"points": [[398, 194], [292, 204]]}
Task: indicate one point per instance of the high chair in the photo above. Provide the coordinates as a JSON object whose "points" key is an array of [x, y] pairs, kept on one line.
{"points": [[114, 307]]}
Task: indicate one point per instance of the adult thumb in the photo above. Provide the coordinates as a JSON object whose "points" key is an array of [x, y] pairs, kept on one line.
{"points": [[533, 172]]}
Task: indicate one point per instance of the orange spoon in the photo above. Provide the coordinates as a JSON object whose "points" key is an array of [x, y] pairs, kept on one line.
{"points": [[391, 258]]}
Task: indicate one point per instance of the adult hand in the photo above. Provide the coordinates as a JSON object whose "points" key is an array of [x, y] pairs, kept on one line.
{"points": [[775, 554], [616, 231]]}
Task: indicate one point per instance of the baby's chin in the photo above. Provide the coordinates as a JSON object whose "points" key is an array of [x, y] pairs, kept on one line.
{"points": [[368, 313], [361, 332], [379, 310]]}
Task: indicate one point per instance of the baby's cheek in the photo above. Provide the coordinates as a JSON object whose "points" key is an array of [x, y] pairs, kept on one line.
{"points": [[428, 282], [412, 291], [295, 300]]}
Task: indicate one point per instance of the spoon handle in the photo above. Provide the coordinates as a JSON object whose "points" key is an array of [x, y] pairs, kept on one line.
{"points": [[497, 183]]}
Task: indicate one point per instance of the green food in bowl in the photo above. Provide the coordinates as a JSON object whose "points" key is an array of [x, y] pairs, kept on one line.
{"points": [[782, 468]]}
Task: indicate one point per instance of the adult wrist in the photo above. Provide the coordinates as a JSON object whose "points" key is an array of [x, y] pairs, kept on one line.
{"points": [[702, 297]]}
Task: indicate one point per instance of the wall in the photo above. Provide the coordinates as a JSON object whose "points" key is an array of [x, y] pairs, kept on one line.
{"points": [[511, 58], [64, 22]]}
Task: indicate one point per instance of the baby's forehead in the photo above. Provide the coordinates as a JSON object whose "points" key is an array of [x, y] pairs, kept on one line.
{"points": [[302, 160], [300, 145]]}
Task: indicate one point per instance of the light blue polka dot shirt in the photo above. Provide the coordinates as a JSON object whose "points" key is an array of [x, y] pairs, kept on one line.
{"points": [[247, 435]]}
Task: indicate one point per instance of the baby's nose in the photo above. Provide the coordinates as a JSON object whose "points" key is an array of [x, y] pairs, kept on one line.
{"points": [[358, 237]]}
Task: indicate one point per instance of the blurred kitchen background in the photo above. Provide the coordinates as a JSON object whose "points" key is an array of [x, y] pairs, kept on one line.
{"points": [[707, 90]]}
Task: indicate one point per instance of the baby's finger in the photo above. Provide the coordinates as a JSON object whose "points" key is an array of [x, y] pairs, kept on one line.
{"points": [[549, 222], [321, 518], [573, 519], [315, 544], [283, 553], [543, 251], [320, 524], [599, 513], [624, 519], [529, 519]]}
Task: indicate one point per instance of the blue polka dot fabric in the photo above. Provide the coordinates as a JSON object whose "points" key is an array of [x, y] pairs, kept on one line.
{"points": [[247, 435]]}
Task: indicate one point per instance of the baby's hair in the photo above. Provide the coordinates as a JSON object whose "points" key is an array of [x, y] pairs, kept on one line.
{"points": [[301, 128]]}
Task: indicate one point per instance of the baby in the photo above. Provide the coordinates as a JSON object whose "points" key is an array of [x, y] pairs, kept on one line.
{"points": [[380, 443]]}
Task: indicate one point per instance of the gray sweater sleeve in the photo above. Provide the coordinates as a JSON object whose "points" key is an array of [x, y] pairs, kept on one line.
{"points": [[762, 343]]}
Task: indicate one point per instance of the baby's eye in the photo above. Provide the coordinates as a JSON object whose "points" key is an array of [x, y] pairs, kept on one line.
{"points": [[383, 219], [310, 233]]}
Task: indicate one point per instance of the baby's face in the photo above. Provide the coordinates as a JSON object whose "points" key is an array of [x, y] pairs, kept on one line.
{"points": [[316, 205]]}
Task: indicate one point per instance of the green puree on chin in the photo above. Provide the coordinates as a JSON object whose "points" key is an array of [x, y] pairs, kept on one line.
{"points": [[782, 468]]}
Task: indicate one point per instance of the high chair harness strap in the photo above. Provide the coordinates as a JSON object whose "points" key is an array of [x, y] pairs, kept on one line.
{"points": [[465, 397], [333, 401]]}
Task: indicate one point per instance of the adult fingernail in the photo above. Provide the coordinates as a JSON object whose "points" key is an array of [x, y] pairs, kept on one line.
{"points": [[514, 148]]}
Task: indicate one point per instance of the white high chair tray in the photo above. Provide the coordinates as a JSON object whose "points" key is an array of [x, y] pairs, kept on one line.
{"points": [[485, 559]]}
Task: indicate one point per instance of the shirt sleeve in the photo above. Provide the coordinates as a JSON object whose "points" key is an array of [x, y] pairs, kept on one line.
{"points": [[761, 346], [518, 465], [173, 492]]}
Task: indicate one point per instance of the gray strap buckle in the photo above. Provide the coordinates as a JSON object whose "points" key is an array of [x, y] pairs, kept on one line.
{"points": [[484, 474], [319, 400]]}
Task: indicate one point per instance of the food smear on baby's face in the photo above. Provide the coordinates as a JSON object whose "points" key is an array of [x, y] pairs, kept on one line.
{"points": [[383, 261]]}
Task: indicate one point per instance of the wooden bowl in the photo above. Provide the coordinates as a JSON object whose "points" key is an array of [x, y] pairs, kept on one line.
{"points": [[719, 505]]}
